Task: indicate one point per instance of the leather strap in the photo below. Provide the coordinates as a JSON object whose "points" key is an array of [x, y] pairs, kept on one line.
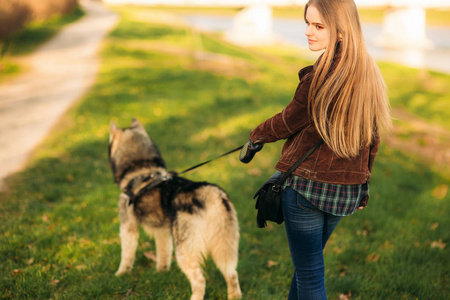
{"points": [[302, 159]]}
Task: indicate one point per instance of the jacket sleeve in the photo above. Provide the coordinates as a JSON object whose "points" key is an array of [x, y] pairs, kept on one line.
{"points": [[289, 121]]}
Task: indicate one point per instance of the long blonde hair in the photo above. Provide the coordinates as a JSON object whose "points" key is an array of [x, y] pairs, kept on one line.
{"points": [[348, 100]]}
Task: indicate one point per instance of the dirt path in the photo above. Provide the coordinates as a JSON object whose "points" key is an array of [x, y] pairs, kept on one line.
{"points": [[62, 70]]}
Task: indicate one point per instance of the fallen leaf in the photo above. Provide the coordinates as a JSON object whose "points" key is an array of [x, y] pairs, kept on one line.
{"points": [[345, 296], [111, 241], [255, 172], [150, 255], [342, 270], [17, 271], [80, 267], [440, 191], [373, 257], [84, 242], [54, 281], [31, 261], [337, 250], [269, 226], [271, 263], [438, 244], [386, 246], [434, 226]]}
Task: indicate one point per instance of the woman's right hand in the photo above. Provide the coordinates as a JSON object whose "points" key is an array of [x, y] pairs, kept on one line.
{"points": [[248, 151]]}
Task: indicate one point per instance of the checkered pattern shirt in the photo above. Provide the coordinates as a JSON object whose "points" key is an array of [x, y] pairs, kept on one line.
{"points": [[336, 199]]}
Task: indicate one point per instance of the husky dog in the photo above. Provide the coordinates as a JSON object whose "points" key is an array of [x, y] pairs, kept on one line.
{"points": [[197, 217]]}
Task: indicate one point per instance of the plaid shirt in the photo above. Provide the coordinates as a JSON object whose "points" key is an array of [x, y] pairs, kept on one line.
{"points": [[336, 199]]}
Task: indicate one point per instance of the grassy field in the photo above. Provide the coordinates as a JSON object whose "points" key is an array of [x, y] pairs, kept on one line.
{"points": [[59, 220]]}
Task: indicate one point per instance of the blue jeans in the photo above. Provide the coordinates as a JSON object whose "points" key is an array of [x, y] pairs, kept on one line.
{"points": [[308, 230]]}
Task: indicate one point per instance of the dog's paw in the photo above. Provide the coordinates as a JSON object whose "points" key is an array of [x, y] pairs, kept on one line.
{"points": [[122, 272], [163, 268], [150, 255], [235, 296]]}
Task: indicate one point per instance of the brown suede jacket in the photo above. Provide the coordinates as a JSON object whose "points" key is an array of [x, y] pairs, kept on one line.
{"points": [[295, 124]]}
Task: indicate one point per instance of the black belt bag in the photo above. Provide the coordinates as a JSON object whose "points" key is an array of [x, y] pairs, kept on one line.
{"points": [[268, 197]]}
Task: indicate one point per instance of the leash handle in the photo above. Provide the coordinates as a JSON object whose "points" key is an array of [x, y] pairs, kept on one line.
{"points": [[248, 151], [208, 161]]}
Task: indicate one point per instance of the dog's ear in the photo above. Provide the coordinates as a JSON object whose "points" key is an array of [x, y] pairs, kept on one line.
{"points": [[136, 124], [112, 130]]}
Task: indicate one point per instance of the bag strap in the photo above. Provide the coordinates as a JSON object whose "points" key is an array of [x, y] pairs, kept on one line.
{"points": [[302, 159]]}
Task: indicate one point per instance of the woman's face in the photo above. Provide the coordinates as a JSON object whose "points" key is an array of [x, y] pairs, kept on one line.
{"points": [[316, 32]]}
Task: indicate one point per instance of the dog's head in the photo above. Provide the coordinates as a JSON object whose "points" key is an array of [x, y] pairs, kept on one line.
{"points": [[130, 148]]}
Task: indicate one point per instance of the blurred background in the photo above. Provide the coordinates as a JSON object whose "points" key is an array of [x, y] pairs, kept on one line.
{"points": [[200, 75]]}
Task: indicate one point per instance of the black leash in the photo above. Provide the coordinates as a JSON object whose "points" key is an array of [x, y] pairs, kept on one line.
{"points": [[208, 161]]}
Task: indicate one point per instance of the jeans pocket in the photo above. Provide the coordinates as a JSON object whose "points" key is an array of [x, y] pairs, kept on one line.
{"points": [[305, 204]]}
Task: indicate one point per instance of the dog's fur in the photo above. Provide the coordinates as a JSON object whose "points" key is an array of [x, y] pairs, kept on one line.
{"points": [[197, 217]]}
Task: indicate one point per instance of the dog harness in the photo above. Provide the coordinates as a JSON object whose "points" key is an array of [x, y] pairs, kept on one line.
{"points": [[153, 179]]}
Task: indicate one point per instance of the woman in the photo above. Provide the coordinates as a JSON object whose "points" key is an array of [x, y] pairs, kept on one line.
{"points": [[341, 99]]}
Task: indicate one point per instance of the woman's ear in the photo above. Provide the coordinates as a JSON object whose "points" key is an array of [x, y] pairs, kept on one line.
{"points": [[339, 36]]}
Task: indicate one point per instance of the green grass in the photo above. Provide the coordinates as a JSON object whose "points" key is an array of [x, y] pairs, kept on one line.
{"points": [[59, 221], [27, 40], [420, 92]]}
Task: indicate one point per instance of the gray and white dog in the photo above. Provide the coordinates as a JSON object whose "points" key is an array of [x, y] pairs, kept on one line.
{"points": [[197, 217]]}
